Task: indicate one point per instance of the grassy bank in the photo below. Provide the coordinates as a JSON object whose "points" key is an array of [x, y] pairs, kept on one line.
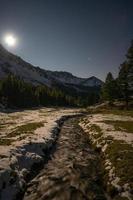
{"points": [[114, 140]]}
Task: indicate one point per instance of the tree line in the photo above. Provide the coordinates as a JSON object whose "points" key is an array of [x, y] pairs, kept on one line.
{"points": [[120, 88], [15, 93]]}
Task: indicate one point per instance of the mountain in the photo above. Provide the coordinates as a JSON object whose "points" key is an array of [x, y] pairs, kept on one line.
{"points": [[12, 64]]}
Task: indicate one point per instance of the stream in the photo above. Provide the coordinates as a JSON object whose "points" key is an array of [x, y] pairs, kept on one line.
{"points": [[73, 171]]}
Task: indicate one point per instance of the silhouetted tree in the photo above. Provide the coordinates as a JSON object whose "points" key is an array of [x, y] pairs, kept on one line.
{"points": [[125, 76], [109, 90]]}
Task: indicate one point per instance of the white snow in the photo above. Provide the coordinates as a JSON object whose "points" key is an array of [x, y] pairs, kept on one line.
{"points": [[18, 158], [109, 130]]}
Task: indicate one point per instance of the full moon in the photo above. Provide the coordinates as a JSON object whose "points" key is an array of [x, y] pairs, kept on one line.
{"points": [[10, 40]]}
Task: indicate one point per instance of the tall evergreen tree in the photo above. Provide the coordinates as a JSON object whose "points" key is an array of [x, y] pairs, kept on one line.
{"points": [[126, 76], [130, 55], [110, 89], [124, 82]]}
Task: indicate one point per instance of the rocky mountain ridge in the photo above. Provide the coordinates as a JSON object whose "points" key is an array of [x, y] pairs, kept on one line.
{"points": [[12, 64]]}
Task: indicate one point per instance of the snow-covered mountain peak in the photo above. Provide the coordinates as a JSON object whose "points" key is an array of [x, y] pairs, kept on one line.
{"points": [[12, 64]]}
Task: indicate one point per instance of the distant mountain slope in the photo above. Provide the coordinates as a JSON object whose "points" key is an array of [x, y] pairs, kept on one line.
{"points": [[12, 64]]}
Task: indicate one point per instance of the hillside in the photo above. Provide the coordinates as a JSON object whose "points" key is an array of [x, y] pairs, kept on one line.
{"points": [[12, 64]]}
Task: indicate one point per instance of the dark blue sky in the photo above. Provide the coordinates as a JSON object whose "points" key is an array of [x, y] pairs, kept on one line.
{"points": [[85, 37]]}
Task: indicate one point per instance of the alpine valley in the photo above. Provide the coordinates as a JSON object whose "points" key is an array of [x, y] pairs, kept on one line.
{"points": [[67, 83]]}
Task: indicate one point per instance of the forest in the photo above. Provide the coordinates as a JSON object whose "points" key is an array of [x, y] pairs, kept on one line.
{"points": [[120, 88], [15, 93]]}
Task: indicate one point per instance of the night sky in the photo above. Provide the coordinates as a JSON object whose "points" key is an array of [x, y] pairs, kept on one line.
{"points": [[84, 37]]}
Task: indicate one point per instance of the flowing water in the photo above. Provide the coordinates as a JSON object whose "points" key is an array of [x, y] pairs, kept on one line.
{"points": [[72, 173]]}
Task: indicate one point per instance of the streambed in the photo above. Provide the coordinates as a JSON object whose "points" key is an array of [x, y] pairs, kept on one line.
{"points": [[72, 173]]}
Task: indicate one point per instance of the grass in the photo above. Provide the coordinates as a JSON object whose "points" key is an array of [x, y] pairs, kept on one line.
{"points": [[95, 128], [120, 155], [121, 112], [26, 129], [111, 111], [121, 125], [5, 142], [1, 127]]}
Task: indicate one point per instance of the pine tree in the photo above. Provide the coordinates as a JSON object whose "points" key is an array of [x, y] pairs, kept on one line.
{"points": [[126, 77], [130, 55], [123, 82], [130, 69], [110, 89]]}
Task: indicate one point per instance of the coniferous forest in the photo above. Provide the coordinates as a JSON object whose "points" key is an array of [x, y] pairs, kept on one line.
{"points": [[16, 93], [120, 88]]}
